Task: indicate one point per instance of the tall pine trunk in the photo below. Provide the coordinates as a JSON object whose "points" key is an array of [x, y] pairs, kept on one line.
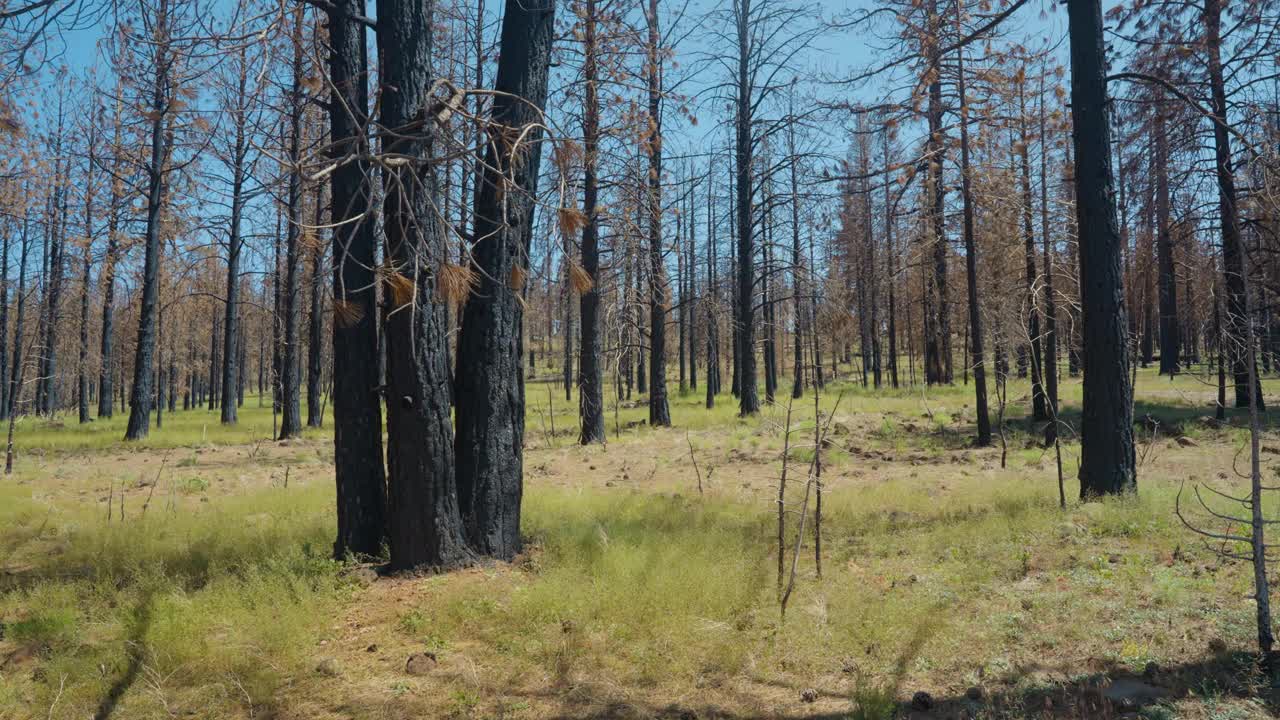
{"points": [[659, 410], [1107, 464], [1039, 412], [744, 366], [231, 315], [357, 413], [82, 367], [425, 524], [590, 365], [315, 326], [971, 263], [1233, 260], [106, 349], [1169, 328], [490, 408], [290, 383], [144, 356]]}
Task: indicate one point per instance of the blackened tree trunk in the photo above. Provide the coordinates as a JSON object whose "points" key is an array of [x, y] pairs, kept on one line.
{"points": [[15, 372], [214, 358], [890, 208], [231, 313], [713, 330], [1233, 260], [144, 356], [1050, 302], [5, 244], [659, 409], [424, 523], [490, 415], [242, 363], [937, 340], [315, 326], [1039, 412], [1146, 347], [682, 320], [767, 302], [797, 292], [46, 379], [106, 353], [1169, 327], [82, 368], [290, 383], [691, 284], [173, 381], [569, 336], [1107, 464], [160, 368], [590, 366], [744, 365], [971, 263], [357, 413]]}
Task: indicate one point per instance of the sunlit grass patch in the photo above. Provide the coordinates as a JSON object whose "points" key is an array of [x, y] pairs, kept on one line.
{"points": [[212, 608]]}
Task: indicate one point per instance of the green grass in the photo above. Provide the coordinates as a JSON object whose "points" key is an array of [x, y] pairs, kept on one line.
{"points": [[206, 609], [223, 606], [199, 427], [217, 605]]}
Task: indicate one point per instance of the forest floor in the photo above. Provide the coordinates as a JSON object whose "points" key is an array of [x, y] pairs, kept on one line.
{"points": [[188, 575]]}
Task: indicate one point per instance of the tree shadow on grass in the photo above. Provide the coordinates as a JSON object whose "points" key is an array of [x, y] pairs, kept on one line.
{"points": [[1152, 418], [1217, 682], [135, 643]]}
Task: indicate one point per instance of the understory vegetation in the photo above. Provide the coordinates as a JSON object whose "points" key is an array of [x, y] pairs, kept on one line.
{"points": [[636, 595]]}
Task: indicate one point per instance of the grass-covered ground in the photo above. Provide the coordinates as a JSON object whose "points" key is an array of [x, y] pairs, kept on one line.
{"points": [[189, 575]]}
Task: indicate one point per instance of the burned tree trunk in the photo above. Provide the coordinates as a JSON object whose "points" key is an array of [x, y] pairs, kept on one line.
{"points": [[659, 410], [744, 365], [315, 327], [1107, 464], [290, 383], [590, 370], [425, 525], [357, 413], [231, 313], [14, 379], [490, 415], [1233, 260], [1169, 328], [144, 356], [82, 368], [971, 265], [1039, 412]]}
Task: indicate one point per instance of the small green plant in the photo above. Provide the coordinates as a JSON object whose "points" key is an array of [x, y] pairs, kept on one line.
{"points": [[873, 703], [399, 688], [192, 485], [464, 703], [413, 622]]}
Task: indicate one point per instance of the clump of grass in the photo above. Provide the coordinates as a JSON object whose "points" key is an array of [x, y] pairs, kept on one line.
{"points": [[873, 703], [192, 485], [225, 597]]}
